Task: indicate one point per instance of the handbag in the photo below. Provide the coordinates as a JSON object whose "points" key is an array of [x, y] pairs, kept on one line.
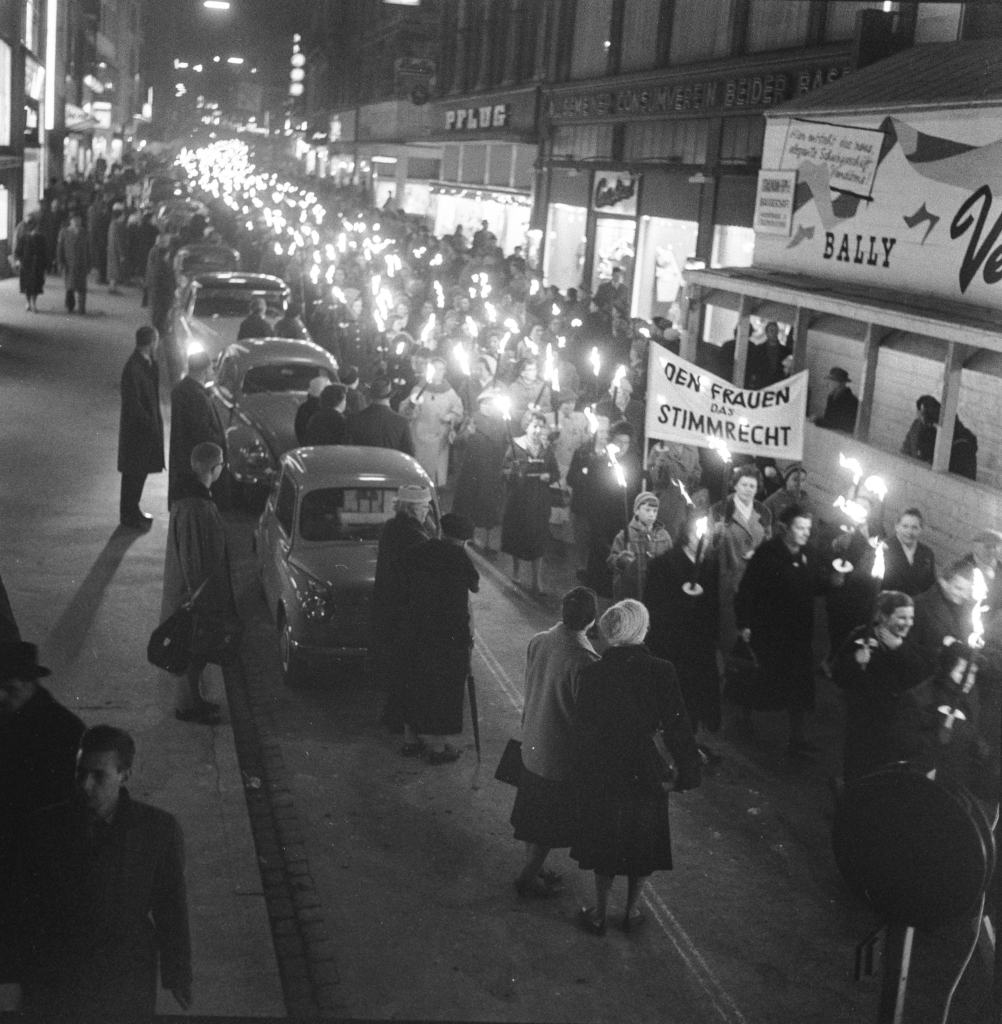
{"points": [[215, 639], [509, 770], [169, 646]]}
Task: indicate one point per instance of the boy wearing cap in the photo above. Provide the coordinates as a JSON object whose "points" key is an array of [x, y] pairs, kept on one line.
{"points": [[630, 555], [842, 405]]}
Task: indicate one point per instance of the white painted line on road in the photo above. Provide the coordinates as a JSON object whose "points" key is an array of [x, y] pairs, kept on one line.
{"points": [[501, 677], [677, 936], [692, 958]]}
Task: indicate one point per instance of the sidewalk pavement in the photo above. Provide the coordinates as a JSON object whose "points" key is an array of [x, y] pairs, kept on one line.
{"points": [[89, 593]]}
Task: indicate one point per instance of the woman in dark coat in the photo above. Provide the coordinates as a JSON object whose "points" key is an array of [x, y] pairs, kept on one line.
{"points": [[874, 667], [774, 609], [32, 254], [438, 633], [531, 467], [480, 484], [623, 700], [684, 624], [851, 604]]}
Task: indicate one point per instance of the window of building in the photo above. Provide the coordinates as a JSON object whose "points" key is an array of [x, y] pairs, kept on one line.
{"points": [[840, 17], [776, 25], [5, 88], [741, 140], [582, 142], [590, 55], [32, 34], [683, 140], [701, 31], [640, 35]]}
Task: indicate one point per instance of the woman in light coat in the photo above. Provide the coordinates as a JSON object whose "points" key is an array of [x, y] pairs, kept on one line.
{"points": [[740, 525], [434, 410]]}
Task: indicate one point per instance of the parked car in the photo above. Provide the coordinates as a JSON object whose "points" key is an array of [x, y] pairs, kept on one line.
{"points": [[316, 545], [204, 258], [209, 306], [258, 388], [177, 211]]}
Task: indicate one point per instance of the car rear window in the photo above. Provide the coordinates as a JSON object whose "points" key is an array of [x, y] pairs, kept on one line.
{"points": [[351, 513], [233, 302], [208, 259], [282, 377]]}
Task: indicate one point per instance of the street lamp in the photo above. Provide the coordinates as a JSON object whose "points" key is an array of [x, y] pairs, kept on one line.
{"points": [[234, 60], [217, 5]]}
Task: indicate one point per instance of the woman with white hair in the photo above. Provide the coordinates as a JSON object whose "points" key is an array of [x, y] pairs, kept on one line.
{"points": [[623, 702]]}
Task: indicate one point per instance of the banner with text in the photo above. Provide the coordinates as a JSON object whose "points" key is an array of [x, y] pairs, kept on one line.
{"points": [[687, 404]]}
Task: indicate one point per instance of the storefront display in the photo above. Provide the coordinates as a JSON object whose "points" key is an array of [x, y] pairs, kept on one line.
{"points": [[566, 238]]}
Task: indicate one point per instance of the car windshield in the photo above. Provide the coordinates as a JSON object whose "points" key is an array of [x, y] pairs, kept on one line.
{"points": [[232, 302], [346, 513], [216, 258], [282, 377]]}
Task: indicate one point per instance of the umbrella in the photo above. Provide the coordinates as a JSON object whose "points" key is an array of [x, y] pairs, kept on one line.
{"points": [[471, 686]]}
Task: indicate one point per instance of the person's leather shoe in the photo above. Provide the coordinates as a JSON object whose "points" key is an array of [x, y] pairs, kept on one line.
{"points": [[143, 522]]}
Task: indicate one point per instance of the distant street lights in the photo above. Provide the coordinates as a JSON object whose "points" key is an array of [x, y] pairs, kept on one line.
{"points": [[234, 60], [217, 5]]}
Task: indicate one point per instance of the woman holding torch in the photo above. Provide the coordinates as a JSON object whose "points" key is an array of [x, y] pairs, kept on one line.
{"points": [[434, 410], [531, 469]]}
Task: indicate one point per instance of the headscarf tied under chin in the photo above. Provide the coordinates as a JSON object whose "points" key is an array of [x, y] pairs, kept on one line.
{"points": [[625, 623]]}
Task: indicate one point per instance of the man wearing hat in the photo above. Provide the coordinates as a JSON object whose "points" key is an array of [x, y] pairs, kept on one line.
{"points": [[38, 749], [842, 405], [140, 428], [387, 652], [193, 420], [357, 398], [630, 555], [377, 425]]}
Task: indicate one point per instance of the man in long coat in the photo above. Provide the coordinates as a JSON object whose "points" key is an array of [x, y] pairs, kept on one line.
{"points": [[101, 897], [38, 751], [387, 650], [141, 428], [73, 258], [197, 554], [160, 282], [98, 219], [377, 425], [193, 420], [117, 249]]}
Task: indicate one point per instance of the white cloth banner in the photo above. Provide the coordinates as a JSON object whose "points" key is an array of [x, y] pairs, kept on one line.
{"points": [[687, 404]]}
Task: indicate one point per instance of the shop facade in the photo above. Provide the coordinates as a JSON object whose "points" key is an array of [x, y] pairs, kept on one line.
{"points": [[654, 172], [489, 154], [876, 242]]}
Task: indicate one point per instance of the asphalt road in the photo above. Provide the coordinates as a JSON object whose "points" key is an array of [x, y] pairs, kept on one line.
{"points": [[414, 865]]}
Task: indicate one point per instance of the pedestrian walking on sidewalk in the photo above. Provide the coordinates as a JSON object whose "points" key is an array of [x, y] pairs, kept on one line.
{"points": [[624, 701], [545, 813], [140, 429], [389, 659], [73, 258], [439, 637], [158, 292], [193, 419], [38, 752], [197, 556], [101, 897], [117, 247], [32, 255]]}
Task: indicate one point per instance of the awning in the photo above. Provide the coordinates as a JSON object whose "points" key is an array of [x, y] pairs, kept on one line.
{"points": [[897, 311], [79, 121]]}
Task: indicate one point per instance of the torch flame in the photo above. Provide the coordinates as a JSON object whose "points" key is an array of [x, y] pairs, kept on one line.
{"points": [[851, 508], [688, 500], [401, 345], [429, 328], [503, 402], [701, 527], [877, 572], [592, 419], [853, 466], [575, 322], [555, 310], [492, 313], [979, 593], [463, 358], [512, 325], [613, 451], [471, 326], [505, 338], [596, 361], [429, 373], [534, 287], [715, 444], [875, 485], [618, 376]]}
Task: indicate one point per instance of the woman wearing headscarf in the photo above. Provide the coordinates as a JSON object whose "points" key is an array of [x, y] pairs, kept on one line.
{"points": [[434, 410], [681, 596], [480, 484], [531, 468], [740, 525], [874, 667], [527, 392], [624, 700]]}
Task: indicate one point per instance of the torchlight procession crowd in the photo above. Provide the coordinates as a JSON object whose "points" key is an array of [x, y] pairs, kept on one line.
{"points": [[526, 408]]}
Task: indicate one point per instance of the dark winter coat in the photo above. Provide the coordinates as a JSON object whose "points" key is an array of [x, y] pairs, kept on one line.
{"points": [[438, 634], [141, 425], [911, 578], [193, 420], [937, 618], [159, 285], [776, 601], [684, 629], [607, 511], [9, 633], [327, 426], [964, 452], [73, 255], [525, 528], [96, 910], [33, 254], [851, 604], [840, 412], [378, 426], [622, 700], [874, 696], [255, 326], [38, 749], [480, 483], [303, 416]]}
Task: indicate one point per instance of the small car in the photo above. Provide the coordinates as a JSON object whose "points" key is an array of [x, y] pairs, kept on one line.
{"points": [[210, 305], [204, 258], [258, 387], [316, 545]]}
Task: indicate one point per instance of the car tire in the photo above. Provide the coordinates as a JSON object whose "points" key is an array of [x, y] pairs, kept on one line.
{"points": [[294, 671]]}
